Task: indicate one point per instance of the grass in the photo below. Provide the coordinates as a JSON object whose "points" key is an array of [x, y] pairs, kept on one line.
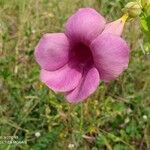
{"points": [[116, 117]]}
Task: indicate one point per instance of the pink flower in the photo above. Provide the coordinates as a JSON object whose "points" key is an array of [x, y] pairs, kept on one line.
{"points": [[89, 51]]}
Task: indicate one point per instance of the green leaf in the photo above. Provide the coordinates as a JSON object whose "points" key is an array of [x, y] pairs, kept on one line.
{"points": [[50, 137], [120, 147], [145, 23]]}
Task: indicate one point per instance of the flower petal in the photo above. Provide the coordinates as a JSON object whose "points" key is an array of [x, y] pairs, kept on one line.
{"points": [[116, 27], [86, 87], [63, 79], [111, 55], [85, 25], [52, 51]]}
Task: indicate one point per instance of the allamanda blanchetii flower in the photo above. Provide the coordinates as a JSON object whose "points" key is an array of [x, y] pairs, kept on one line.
{"points": [[89, 51]]}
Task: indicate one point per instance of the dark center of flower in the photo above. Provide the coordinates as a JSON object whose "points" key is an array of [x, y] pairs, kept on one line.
{"points": [[82, 53]]}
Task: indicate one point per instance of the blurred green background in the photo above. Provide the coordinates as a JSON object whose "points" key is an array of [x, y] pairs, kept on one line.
{"points": [[116, 117]]}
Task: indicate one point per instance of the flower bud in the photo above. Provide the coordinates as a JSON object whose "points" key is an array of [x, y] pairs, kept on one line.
{"points": [[134, 9], [145, 3], [116, 27]]}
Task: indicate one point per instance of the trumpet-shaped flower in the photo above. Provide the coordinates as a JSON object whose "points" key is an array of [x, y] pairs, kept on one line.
{"points": [[89, 51]]}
